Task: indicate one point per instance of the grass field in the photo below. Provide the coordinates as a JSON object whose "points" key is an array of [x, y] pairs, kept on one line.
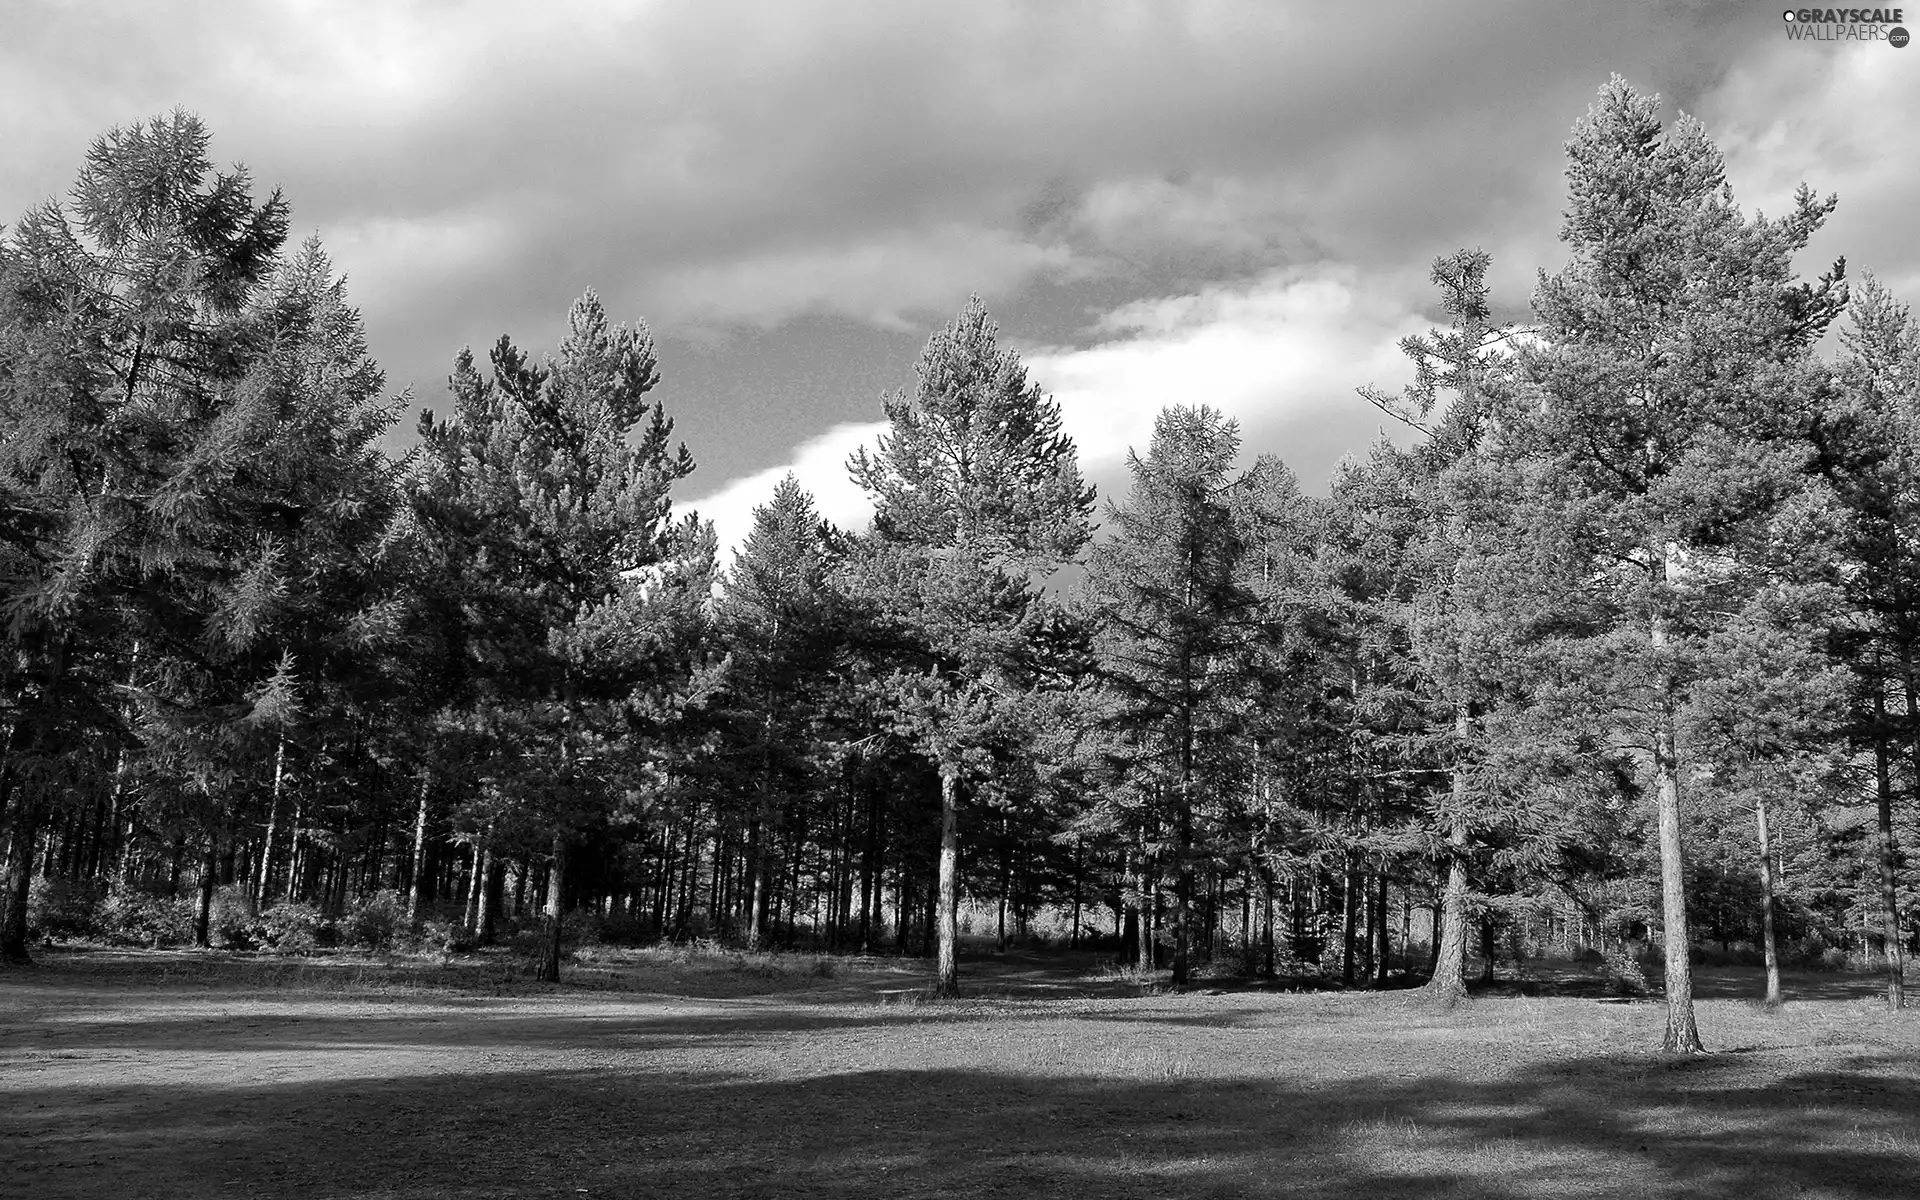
{"points": [[653, 1074]]}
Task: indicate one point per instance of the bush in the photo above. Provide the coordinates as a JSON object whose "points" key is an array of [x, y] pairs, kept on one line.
{"points": [[375, 921], [440, 937], [230, 921], [583, 929], [1624, 974], [143, 919], [295, 929], [63, 908], [1813, 953], [624, 929]]}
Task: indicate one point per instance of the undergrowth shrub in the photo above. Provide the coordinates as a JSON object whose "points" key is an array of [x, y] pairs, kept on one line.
{"points": [[444, 937], [60, 909], [1737, 955], [1814, 953], [1624, 974], [295, 929], [624, 929], [375, 922], [229, 921], [584, 929], [131, 918]]}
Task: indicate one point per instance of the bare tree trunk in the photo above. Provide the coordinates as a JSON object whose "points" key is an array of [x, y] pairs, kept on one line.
{"points": [[1266, 924], [203, 911], [477, 885], [1448, 982], [1143, 915], [263, 873], [1079, 870], [1766, 903], [13, 927], [1382, 939], [756, 885], [421, 892], [1183, 886], [549, 971], [1889, 861], [1347, 901], [1006, 885], [1683, 1035], [946, 979]]}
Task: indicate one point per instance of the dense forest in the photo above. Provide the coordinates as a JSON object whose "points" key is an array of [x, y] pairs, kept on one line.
{"points": [[1613, 646]]}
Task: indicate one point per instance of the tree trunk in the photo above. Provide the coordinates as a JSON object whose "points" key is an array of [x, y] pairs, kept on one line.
{"points": [[1889, 861], [203, 912], [1266, 923], [13, 926], [422, 892], [477, 886], [946, 980], [756, 886], [1183, 866], [549, 971], [1006, 885], [263, 873], [1683, 1035], [1144, 906], [495, 884], [1766, 903], [1382, 946], [1448, 981], [1347, 902], [1079, 870]]}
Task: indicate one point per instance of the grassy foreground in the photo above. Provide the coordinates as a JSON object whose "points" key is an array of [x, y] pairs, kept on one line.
{"points": [[180, 1076]]}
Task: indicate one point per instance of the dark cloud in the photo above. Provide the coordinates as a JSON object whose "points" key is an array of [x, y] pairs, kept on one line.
{"points": [[793, 194]]}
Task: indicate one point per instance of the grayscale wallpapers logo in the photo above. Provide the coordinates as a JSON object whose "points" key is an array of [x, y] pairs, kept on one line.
{"points": [[1846, 25]]}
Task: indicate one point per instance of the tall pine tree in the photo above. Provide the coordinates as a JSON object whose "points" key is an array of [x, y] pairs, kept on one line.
{"points": [[1670, 396], [978, 497]]}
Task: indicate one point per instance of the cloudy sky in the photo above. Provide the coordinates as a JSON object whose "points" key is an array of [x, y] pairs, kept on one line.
{"points": [[1161, 203]]}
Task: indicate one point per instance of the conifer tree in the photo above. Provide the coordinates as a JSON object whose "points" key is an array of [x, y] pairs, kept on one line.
{"points": [[777, 615], [1173, 618], [978, 496], [1870, 443], [1669, 397], [150, 383], [1448, 402], [583, 588]]}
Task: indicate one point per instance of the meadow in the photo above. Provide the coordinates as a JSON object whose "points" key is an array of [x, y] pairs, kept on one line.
{"points": [[691, 1073]]}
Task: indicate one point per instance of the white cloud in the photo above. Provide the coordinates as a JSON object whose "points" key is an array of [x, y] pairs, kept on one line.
{"points": [[1286, 347], [820, 463], [1829, 116]]}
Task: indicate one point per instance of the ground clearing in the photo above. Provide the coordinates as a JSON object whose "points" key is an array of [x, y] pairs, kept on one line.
{"points": [[181, 1076]]}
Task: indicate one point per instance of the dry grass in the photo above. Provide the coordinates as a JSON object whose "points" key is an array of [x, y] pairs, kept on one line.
{"points": [[705, 1073]]}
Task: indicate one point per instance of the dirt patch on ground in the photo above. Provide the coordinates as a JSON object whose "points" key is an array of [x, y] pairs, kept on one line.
{"points": [[189, 1076]]}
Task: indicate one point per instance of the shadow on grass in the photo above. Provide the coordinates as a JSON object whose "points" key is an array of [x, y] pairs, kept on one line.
{"points": [[1714, 1128]]}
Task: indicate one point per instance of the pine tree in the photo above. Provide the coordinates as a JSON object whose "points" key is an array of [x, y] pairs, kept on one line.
{"points": [[1870, 439], [1173, 618], [1669, 397], [777, 619], [978, 496], [1449, 402], [583, 589], [145, 384]]}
